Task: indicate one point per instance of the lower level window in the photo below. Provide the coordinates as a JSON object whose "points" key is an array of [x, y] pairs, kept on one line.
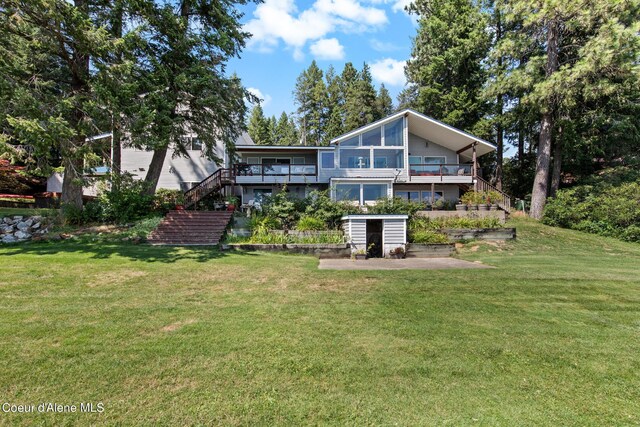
{"points": [[259, 195], [360, 193], [426, 195], [414, 196], [348, 192]]}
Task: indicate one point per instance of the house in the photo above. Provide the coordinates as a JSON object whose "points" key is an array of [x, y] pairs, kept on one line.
{"points": [[407, 155]]}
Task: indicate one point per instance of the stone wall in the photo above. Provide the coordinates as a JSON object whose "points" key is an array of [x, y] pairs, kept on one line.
{"points": [[19, 228]]}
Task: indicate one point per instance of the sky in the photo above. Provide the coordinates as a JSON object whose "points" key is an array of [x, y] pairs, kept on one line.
{"points": [[289, 34]]}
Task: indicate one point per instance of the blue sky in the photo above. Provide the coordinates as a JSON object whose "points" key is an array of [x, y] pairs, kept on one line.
{"points": [[288, 35]]}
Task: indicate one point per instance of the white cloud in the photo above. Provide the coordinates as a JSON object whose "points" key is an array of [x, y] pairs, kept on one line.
{"points": [[264, 98], [389, 71], [327, 49], [399, 5], [276, 21], [382, 46]]}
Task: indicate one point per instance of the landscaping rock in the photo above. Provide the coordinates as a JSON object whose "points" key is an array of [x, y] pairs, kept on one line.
{"points": [[8, 239], [20, 228]]}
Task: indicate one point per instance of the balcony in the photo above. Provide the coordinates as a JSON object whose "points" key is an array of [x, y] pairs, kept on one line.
{"points": [[278, 173], [441, 172]]}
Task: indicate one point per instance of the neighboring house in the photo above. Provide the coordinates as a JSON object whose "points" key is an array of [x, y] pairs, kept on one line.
{"points": [[407, 155]]}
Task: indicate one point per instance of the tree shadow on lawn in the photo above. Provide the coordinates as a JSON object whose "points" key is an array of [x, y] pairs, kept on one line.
{"points": [[107, 249]]}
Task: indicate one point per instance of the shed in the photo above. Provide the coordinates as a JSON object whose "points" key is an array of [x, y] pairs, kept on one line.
{"points": [[384, 232]]}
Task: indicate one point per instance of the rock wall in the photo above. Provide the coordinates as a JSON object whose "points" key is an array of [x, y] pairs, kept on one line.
{"points": [[19, 228]]}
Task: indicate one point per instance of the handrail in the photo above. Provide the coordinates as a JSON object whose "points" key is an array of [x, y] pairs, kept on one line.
{"points": [[249, 169], [483, 185], [212, 183], [441, 169]]}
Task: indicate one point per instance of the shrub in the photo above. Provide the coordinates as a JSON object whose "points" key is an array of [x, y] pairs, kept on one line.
{"points": [[395, 205], [319, 205], [427, 236], [424, 223], [308, 223], [166, 200], [127, 200], [600, 208], [282, 206]]}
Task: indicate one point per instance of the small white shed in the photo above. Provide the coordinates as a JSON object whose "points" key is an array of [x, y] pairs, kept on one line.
{"points": [[384, 232]]}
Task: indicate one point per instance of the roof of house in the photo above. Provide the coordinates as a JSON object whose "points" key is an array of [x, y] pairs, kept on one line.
{"points": [[433, 130]]}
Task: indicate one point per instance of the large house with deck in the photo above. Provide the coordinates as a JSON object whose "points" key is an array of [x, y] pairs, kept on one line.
{"points": [[407, 155]]}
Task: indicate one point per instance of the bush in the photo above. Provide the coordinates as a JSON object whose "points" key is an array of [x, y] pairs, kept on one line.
{"points": [[310, 223], [424, 223], [166, 200], [319, 205], [600, 208], [127, 200], [427, 236], [395, 205]]}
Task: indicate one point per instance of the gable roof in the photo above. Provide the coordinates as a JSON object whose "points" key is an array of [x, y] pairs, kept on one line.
{"points": [[433, 130]]}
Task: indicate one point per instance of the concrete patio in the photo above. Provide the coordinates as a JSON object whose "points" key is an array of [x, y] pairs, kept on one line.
{"points": [[398, 264]]}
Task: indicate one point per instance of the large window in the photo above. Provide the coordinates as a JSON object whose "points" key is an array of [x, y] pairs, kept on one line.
{"points": [[355, 158], [327, 160], [393, 133], [413, 196], [367, 151], [350, 192], [388, 159], [361, 193], [373, 192], [373, 137]]}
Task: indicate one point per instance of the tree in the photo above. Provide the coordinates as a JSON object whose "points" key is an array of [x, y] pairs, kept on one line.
{"points": [[384, 102], [47, 47], [183, 80], [579, 51], [446, 61], [259, 127], [334, 106], [286, 132], [309, 96], [360, 101]]}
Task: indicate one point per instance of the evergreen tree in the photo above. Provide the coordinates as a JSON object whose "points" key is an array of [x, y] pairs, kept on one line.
{"points": [[309, 96], [334, 106], [446, 61], [360, 101], [579, 55], [286, 132], [384, 102], [259, 128]]}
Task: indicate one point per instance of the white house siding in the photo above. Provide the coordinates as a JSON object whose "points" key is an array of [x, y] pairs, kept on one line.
{"points": [[175, 170], [418, 147], [394, 234], [357, 232]]}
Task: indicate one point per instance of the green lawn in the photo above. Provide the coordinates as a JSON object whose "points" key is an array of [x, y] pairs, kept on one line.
{"points": [[26, 212], [193, 336]]}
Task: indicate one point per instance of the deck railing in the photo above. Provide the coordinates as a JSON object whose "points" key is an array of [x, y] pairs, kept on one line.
{"points": [[482, 185], [214, 182], [440, 170], [275, 170]]}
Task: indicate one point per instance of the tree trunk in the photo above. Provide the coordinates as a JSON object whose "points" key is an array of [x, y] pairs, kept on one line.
{"points": [[72, 182], [155, 168], [521, 147], [116, 152], [557, 167], [541, 181], [499, 147]]}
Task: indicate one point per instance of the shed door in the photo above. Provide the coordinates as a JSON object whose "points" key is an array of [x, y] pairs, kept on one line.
{"points": [[374, 238]]}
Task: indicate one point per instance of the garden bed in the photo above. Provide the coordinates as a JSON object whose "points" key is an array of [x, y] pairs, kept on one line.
{"points": [[321, 250], [479, 233], [430, 250]]}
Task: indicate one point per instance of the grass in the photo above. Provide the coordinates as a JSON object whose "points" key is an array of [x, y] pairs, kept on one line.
{"points": [[172, 336], [27, 212]]}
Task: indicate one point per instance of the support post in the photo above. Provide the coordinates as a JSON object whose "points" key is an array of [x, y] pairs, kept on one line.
{"points": [[433, 193], [474, 172]]}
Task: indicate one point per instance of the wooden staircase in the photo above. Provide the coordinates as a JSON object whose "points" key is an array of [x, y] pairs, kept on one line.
{"points": [[215, 182], [190, 228], [481, 185]]}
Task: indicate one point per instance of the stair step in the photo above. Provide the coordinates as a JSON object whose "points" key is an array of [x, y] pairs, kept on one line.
{"points": [[191, 228]]}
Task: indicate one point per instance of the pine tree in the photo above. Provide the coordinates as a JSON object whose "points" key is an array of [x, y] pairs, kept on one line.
{"points": [[360, 102], [258, 128], [334, 106], [309, 96], [384, 102], [286, 133], [446, 61], [587, 50]]}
